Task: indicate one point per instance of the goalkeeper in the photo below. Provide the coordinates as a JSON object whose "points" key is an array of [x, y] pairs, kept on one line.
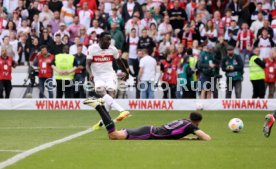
{"points": [[175, 130]]}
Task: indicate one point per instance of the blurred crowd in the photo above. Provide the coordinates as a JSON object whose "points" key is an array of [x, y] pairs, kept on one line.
{"points": [[194, 42]]}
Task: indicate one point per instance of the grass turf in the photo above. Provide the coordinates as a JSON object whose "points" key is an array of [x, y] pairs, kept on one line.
{"points": [[22, 130]]}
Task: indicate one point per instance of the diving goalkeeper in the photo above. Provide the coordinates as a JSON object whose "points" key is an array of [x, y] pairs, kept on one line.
{"points": [[178, 129]]}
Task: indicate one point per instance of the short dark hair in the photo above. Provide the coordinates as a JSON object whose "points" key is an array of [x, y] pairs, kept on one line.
{"points": [[103, 34], [195, 116], [43, 46]]}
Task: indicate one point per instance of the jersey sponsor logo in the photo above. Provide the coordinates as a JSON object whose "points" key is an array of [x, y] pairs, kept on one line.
{"points": [[57, 105], [151, 104], [104, 58], [245, 104]]}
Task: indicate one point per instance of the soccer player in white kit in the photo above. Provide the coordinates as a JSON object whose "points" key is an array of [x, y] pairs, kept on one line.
{"points": [[99, 67]]}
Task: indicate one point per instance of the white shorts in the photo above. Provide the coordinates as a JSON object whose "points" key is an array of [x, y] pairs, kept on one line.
{"points": [[107, 82]]}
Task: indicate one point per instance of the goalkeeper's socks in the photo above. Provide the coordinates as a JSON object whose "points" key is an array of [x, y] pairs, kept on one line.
{"points": [[107, 121]]}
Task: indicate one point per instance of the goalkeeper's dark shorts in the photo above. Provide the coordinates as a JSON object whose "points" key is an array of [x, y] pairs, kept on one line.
{"points": [[141, 133]]}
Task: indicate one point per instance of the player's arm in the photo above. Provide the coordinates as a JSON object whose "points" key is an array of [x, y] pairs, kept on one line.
{"points": [[202, 135], [88, 69], [141, 71]]}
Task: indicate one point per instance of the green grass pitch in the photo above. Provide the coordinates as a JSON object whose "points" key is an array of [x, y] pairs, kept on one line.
{"points": [[22, 130]]}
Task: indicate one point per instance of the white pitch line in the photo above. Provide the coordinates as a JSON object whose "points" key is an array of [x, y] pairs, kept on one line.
{"points": [[61, 127], [12, 151], [29, 152]]}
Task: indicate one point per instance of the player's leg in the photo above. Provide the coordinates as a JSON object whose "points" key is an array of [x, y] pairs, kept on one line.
{"points": [[141, 133], [106, 119], [269, 121]]}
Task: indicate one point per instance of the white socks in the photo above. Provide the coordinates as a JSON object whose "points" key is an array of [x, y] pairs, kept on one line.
{"points": [[110, 103]]}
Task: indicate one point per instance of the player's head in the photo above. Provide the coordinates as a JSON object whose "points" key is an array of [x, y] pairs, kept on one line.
{"points": [[104, 40], [195, 117]]}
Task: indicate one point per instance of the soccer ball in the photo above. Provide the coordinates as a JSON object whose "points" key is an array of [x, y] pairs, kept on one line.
{"points": [[199, 106], [235, 125]]}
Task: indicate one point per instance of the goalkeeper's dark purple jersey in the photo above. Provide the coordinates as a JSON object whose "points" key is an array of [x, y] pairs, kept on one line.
{"points": [[172, 131]]}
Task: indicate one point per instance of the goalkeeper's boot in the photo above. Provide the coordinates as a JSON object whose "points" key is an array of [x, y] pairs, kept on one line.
{"points": [[98, 125], [93, 102], [269, 121], [122, 116]]}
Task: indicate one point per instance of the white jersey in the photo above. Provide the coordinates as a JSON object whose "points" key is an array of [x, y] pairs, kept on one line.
{"points": [[101, 65], [265, 48]]}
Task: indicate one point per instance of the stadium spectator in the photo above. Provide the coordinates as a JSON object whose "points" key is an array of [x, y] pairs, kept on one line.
{"points": [[245, 13], [46, 15], [74, 28], [86, 15], [68, 13], [235, 7], [129, 8], [6, 64], [231, 34], [187, 35], [220, 49], [177, 16], [188, 74], [95, 27], [232, 65], [259, 11], [16, 19], [201, 10], [147, 73], [164, 28], [46, 39], [80, 72], [55, 22], [44, 62], [84, 38], [266, 27], [190, 10], [206, 65], [153, 32], [55, 5], [9, 48], [36, 25], [33, 10], [169, 76], [64, 67], [245, 41], [257, 24], [133, 60], [265, 43], [34, 49], [92, 4], [218, 23], [23, 50], [74, 48], [165, 45], [270, 73], [115, 18], [62, 30], [257, 74], [209, 34], [122, 74], [147, 20], [117, 36], [10, 5], [24, 28], [58, 45], [134, 22], [146, 42], [10, 27]]}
